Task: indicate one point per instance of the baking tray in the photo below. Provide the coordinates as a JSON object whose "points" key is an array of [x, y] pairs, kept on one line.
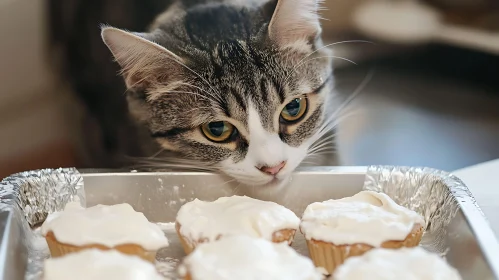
{"points": [[456, 228]]}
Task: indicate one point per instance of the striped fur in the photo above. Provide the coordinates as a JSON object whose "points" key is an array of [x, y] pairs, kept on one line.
{"points": [[235, 61]]}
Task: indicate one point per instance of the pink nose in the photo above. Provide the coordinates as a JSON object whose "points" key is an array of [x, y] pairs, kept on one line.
{"points": [[272, 170]]}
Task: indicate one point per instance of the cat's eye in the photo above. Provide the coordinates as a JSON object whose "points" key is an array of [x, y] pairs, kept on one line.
{"points": [[294, 110], [218, 131]]}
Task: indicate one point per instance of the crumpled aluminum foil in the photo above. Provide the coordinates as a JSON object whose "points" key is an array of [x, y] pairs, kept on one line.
{"points": [[31, 196], [41, 192], [432, 193]]}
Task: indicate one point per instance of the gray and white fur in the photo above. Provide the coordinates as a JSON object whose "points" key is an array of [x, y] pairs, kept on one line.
{"points": [[237, 63]]}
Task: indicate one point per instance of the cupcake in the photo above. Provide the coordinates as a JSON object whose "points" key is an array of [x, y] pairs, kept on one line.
{"points": [[201, 221], [103, 227], [99, 265], [351, 226], [405, 263], [246, 258]]}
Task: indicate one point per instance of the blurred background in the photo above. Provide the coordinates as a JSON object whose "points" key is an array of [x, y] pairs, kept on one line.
{"points": [[426, 82]]}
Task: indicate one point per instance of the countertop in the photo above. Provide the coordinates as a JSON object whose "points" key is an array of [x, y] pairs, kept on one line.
{"points": [[483, 182]]}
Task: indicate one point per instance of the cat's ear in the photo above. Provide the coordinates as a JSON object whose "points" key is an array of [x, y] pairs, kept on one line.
{"points": [[143, 62], [294, 21]]}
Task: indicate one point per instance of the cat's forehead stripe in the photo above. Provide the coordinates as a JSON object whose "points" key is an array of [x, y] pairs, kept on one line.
{"points": [[239, 100], [263, 90]]}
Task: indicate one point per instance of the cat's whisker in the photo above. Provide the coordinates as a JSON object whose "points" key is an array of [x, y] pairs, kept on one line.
{"points": [[323, 144], [310, 160], [319, 57], [199, 76], [333, 123], [215, 96], [324, 150], [240, 174], [323, 47], [227, 182], [157, 153], [334, 116], [330, 124], [358, 90], [333, 44], [237, 187], [319, 154], [313, 163], [318, 150], [245, 178], [314, 158]]}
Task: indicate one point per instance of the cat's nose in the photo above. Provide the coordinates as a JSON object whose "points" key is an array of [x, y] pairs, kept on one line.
{"points": [[272, 170]]}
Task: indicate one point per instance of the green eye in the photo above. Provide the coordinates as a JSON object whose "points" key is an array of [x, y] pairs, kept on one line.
{"points": [[218, 131], [294, 110]]}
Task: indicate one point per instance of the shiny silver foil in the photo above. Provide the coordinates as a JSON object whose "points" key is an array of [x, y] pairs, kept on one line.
{"points": [[29, 197], [432, 193], [40, 192]]}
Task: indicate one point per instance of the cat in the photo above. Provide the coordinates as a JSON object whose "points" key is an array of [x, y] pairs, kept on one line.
{"points": [[241, 87]]}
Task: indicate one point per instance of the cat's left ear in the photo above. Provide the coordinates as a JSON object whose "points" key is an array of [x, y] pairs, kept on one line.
{"points": [[294, 21], [143, 62]]}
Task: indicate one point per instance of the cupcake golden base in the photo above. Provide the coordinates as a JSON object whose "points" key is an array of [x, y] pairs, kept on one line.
{"points": [[58, 249], [337, 229], [330, 256], [285, 235], [206, 221]]}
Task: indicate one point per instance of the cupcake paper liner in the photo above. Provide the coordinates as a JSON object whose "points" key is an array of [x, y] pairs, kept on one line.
{"points": [[330, 256], [285, 235], [58, 249]]}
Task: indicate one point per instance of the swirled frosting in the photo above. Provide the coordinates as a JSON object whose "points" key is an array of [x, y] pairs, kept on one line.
{"points": [[245, 258], [99, 265], [367, 217], [234, 215], [106, 225], [388, 264]]}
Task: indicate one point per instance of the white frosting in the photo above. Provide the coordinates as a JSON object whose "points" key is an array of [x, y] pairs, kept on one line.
{"points": [[106, 225], [367, 217], [99, 265], [234, 215], [406, 263], [245, 258]]}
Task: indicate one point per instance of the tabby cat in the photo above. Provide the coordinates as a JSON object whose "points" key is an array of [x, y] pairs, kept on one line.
{"points": [[243, 87]]}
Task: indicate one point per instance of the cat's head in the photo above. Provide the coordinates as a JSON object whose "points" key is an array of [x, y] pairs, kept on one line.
{"points": [[243, 89]]}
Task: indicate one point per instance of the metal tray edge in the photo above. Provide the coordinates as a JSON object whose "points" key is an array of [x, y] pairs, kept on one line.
{"points": [[489, 244]]}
